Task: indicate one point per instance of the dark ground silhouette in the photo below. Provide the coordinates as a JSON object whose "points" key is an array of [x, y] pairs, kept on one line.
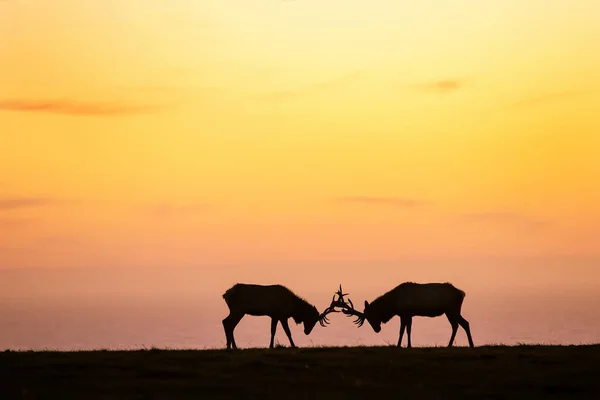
{"points": [[522, 372]]}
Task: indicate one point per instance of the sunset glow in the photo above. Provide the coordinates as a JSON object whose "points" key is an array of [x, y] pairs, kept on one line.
{"points": [[272, 140]]}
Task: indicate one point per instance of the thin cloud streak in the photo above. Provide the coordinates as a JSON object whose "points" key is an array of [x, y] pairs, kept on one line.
{"points": [[545, 98], [13, 203], [76, 108], [442, 86], [385, 201], [505, 217], [14, 222]]}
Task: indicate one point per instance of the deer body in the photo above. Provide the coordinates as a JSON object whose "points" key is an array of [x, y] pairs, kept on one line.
{"points": [[275, 301], [424, 300], [408, 300]]}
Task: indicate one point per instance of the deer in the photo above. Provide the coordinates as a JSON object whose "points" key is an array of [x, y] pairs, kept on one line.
{"points": [[409, 300], [275, 301]]}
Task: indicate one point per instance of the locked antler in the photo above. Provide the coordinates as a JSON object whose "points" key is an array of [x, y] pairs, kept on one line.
{"points": [[339, 302], [348, 308], [350, 311], [341, 295], [331, 309]]}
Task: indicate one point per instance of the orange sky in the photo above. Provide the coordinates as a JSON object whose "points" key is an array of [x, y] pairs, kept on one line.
{"points": [[270, 134]]}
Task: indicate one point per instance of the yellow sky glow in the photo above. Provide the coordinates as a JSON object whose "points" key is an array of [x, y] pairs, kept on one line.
{"points": [[152, 132]]}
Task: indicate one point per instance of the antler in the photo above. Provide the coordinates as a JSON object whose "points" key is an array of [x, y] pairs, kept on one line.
{"points": [[341, 295], [347, 308], [323, 317], [350, 311]]}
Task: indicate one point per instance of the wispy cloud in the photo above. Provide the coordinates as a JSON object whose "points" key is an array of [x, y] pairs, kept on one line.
{"points": [[401, 202], [14, 222], [76, 108], [171, 209], [13, 203], [512, 218], [545, 98], [319, 87], [441, 86]]}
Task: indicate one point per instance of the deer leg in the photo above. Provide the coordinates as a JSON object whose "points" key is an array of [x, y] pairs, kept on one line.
{"points": [[229, 325], [465, 325], [286, 328], [273, 329], [408, 329], [453, 321], [226, 329], [402, 327]]}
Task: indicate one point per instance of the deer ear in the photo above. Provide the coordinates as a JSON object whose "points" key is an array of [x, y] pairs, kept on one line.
{"points": [[366, 304]]}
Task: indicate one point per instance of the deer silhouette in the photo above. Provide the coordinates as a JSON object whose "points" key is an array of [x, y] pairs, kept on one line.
{"points": [[410, 299], [275, 301]]}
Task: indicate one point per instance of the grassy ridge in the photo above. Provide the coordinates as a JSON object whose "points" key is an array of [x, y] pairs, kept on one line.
{"points": [[343, 372]]}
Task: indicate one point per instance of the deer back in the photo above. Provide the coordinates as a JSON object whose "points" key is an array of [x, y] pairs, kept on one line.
{"points": [[272, 300], [427, 299]]}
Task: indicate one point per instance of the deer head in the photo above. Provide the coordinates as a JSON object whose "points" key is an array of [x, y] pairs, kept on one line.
{"points": [[367, 314]]}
